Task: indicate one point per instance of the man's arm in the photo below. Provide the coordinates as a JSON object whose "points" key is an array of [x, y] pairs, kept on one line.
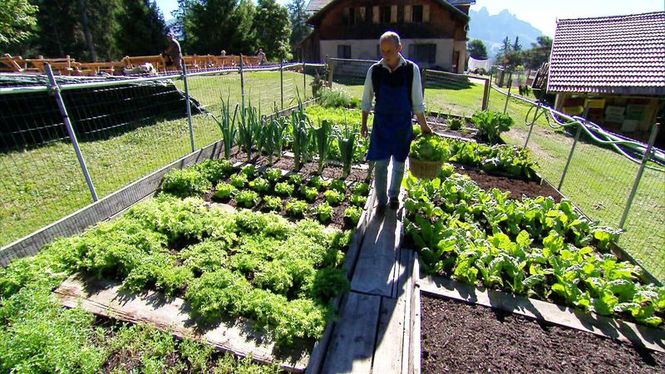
{"points": [[417, 100], [366, 104]]}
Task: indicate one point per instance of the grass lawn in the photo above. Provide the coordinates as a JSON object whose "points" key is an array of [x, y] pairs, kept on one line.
{"points": [[44, 184]]}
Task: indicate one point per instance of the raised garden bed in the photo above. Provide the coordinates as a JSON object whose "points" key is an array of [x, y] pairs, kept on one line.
{"points": [[517, 187], [458, 337]]}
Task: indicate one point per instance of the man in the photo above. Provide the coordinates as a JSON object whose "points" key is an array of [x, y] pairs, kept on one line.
{"points": [[173, 52], [396, 84], [262, 56]]}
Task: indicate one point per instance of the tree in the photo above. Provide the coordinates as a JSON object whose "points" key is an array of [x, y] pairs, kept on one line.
{"points": [[17, 21], [141, 28], [299, 27], [517, 46], [477, 49], [213, 25], [539, 52], [61, 29], [273, 29]]}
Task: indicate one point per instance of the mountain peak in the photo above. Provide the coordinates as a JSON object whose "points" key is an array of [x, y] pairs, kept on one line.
{"points": [[492, 29]]}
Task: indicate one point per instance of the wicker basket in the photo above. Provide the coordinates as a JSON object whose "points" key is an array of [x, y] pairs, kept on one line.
{"points": [[424, 169]]}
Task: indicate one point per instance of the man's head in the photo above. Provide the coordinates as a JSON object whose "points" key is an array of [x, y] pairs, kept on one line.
{"points": [[390, 47]]}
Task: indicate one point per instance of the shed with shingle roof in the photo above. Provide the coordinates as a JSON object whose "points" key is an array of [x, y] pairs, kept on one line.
{"points": [[618, 60]]}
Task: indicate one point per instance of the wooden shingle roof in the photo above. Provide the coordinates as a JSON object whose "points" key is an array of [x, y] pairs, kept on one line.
{"points": [[612, 55]]}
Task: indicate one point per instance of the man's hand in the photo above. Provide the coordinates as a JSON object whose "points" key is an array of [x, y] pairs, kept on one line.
{"points": [[363, 131], [425, 129]]}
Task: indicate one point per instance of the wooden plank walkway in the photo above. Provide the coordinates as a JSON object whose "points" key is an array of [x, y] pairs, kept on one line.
{"points": [[372, 333]]}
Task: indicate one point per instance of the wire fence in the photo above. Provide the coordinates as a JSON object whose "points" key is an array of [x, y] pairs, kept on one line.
{"points": [[125, 129], [597, 170], [601, 173]]}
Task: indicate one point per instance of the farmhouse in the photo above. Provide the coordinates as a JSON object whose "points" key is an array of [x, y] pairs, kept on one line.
{"points": [[613, 65], [433, 31]]}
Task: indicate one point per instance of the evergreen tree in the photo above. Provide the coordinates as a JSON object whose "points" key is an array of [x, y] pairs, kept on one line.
{"points": [[273, 29], [299, 28], [214, 25], [141, 28], [61, 31], [477, 49]]}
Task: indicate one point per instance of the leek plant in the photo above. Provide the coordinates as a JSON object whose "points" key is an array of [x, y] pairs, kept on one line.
{"points": [[301, 138], [228, 127], [324, 140], [249, 129], [346, 139]]}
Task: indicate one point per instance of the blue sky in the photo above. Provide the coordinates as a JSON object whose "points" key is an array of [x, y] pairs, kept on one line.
{"points": [[540, 13]]}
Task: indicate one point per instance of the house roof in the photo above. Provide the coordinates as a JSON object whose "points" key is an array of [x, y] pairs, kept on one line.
{"points": [[611, 55], [314, 7]]}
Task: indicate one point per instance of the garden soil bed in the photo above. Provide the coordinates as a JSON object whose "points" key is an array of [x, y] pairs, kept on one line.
{"points": [[517, 187], [458, 337], [309, 169]]}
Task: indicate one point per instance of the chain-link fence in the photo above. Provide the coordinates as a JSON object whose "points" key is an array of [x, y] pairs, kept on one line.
{"points": [[125, 129], [597, 172], [598, 178]]}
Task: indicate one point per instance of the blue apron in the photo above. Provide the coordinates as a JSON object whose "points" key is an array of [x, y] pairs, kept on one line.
{"points": [[392, 131]]}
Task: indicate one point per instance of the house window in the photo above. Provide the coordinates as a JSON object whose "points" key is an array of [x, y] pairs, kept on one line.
{"points": [[349, 16], [362, 14], [417, 14], [423, 53], [384, 14], [343, 51]]}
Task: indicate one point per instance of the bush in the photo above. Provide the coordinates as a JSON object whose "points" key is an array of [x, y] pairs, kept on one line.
{"points": [[273, 175], [333, 197], [273, 203], [215, 170], [284, 189], [455, 123], [430, 148], [185, 182], [224, 191], [260, 185], [491, 124], [247, 198], [352, 215], [324, 212], [331, 98], [296, 208], [239, 180]]}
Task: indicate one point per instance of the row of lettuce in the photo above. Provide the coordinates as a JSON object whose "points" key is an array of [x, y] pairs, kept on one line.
{"points": [[270, 190], [499, 159], [533, 247]]}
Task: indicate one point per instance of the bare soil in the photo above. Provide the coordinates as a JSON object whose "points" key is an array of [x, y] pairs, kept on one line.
{"points": [[518, 188], [462, 338], [331, 170]]}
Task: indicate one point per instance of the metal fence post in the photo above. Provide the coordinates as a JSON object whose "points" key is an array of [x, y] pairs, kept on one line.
{"points": [[570, 156], [242, 86], [55, 89], [640, 171], [535, 116], [510, 85], [486, 95], [331, 70], [424, 81], [188, 106], [281, 82]]}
